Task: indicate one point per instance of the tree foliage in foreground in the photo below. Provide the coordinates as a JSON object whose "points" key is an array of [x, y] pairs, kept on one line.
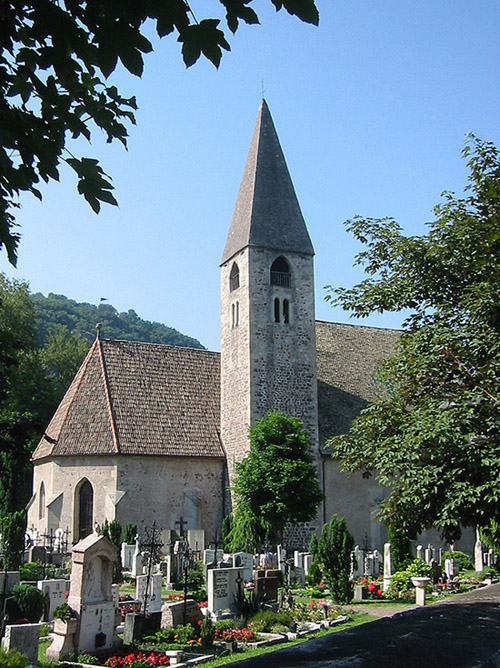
{"points": [[433, 436], [55, 60], [275, 484]]}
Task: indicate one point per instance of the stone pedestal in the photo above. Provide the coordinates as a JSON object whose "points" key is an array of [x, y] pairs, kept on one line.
{"points": [[64, 640], [360, 592], [420, 585]]}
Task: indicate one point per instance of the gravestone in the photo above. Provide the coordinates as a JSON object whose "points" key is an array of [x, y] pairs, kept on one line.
{"points": [[387, 566], [420, 552], [24, 638], [270, 582], [172, 614], [244, 560], [137, 559], [8, 580], [223, 586], [90, 592], [308, 559], [358, 563], [491, 558], [281, 554], [127, 553], [478, 553], [449, 568], [54, 592], [196, 540], [37, 553], [428, 554], [298, 559], [153, 603]]}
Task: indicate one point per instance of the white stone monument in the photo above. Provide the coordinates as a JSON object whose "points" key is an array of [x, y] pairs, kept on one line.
{"points": [[223, 586], [478, 553], [387, 566], [244, 561], [90, 592], [54, 592], [153, 603]]}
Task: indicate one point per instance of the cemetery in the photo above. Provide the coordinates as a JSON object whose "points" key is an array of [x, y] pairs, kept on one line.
{"points": [[170, 598]]}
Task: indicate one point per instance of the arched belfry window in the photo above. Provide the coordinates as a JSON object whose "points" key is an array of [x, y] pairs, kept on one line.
{"points": [[280, 272], [41, 502], [234, 277], [85, 509]]}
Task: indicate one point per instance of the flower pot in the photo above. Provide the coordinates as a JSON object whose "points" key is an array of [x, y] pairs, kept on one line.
{"points": [[65, 628]]}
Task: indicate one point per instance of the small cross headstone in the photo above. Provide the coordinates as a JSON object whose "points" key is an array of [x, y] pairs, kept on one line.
{"points": [[181, 522]]}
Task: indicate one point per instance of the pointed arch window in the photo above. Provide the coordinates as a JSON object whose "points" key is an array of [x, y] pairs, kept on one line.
{"points": [[41, 502], [234, 277], [280, 272], [85, 509]]}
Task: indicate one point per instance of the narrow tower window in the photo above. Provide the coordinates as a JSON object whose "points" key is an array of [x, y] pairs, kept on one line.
{"points": [[41, 502], [276, 310], [280, 272], [234, 277], [235, 314], [286, 311]]}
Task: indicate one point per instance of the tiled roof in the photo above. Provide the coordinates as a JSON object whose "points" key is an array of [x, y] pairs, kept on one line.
{"points": [[267, 213], [141, 399], [154, 399], [347, 357]]}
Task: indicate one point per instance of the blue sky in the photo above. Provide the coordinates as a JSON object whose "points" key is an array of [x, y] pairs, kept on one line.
{"points": [[371, 108]]}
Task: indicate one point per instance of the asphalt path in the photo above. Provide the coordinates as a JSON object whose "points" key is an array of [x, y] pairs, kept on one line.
{"points": [[459, 632]]}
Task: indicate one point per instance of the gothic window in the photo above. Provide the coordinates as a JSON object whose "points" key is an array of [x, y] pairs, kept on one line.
{"points": [[276, 310], [286, 311], [85, 510], [280, 272], [41, 502], [234, 277]]}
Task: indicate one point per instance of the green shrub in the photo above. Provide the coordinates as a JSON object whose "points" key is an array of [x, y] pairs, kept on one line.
{"points": [[12, 659], [225, 624], [163, 636], [207, 631], [26, 603], [315, 575], [185, 633], [460, 558], [13, 531], [401, 580], [129, 533], [334, 556], [90, 659], [64, 612], [267, 621], [35, 571]]}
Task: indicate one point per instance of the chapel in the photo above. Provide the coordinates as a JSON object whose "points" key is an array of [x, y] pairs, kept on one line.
{"points": [[151, 433]]}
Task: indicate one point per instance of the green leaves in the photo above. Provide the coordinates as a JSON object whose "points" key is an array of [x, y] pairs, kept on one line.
{"points": [[91, 182], [433, 437], [276, 483], [205, 38], [55, 58]]}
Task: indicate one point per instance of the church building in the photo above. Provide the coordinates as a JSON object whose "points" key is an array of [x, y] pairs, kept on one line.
{"points": [[151, 432]]}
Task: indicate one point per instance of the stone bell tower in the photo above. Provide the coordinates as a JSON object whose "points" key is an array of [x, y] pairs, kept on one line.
{"points": [[268, 344]]}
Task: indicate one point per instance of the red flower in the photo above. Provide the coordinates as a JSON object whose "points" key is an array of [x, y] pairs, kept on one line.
{"points": [[379, 592], [372, 586], [200, 622], [365, 581]]}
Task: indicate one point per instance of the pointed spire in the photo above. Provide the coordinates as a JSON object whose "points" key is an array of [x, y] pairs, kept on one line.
{"points": [[267, 213]]}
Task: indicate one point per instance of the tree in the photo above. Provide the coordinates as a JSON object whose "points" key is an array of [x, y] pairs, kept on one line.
{"points": [[33, 380], [333, 556], [13, 529], [432, 436], [55, 60], [276, 483]]}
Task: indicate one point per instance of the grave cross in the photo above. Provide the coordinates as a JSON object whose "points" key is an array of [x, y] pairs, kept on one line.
{"points": [[153, 545], [181, 524]]}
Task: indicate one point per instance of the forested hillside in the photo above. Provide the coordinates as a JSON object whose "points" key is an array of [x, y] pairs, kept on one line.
{"points": [[56, 310]]}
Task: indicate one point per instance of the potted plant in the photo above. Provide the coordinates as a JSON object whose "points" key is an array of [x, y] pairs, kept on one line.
{"points": [[65, 619]]}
